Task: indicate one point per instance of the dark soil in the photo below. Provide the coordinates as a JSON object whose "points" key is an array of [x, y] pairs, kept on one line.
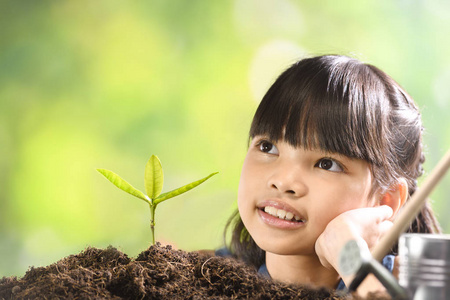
{"points": [[157, 273]]}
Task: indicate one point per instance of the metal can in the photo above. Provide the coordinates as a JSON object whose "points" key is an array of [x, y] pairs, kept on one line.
{"points": [[424, 269]]}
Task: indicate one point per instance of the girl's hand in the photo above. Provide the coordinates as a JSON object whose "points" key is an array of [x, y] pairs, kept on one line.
{"points": [[367, 224]]}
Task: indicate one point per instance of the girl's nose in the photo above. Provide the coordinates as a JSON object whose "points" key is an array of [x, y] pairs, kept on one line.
{"points": [[288, 181]]}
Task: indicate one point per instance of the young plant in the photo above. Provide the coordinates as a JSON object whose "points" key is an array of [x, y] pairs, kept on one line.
{"points": [[154, 179]]}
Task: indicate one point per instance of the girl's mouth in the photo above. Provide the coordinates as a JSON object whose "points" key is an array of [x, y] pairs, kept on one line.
{"points": [[282, 214]]}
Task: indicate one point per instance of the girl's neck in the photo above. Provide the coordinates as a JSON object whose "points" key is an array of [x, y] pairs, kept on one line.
{"points": [[300, 270]]}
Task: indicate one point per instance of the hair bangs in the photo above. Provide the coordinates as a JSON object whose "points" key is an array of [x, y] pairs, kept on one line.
{"points": [[326, 110]]}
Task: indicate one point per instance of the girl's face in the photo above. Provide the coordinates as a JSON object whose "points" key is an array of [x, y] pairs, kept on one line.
{"points": [[288, 195]]}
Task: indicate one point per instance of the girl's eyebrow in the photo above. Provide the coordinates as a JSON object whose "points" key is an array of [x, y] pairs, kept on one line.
{"points": [[345, 160], [262, 137], [334, 154]]}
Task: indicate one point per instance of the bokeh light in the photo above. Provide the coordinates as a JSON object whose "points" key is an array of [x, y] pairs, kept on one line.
{"points": [[108, 83]]}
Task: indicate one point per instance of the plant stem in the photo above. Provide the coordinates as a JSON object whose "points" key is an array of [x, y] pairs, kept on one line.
{"points": [[152, 222]]}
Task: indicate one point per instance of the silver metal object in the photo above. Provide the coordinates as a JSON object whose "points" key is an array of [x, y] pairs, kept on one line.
{"points": [[355, 258], [425, 265]]}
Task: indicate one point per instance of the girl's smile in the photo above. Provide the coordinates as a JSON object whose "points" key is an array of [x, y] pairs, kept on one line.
{"points": [[280, 214], [288, 195]]}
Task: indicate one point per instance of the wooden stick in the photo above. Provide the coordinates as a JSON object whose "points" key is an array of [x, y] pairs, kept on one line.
{"points": [[411, 209]]}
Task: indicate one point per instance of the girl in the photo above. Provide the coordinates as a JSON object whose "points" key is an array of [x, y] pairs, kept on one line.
{"points": [[335, 151]]}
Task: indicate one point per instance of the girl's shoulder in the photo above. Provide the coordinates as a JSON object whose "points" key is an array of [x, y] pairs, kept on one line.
{"points": [[390, 262], [223, 252]]}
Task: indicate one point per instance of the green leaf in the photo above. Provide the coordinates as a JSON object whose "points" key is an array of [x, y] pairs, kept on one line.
{"points": [[154, 177], [182, 189], [122, 184]]}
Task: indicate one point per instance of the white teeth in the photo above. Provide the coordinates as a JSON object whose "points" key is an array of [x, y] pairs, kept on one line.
{"points": [[282, 214], [270, 210]]}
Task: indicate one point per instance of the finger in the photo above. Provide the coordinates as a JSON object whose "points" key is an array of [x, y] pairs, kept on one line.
{"points": [[385, 226], [378, 231], [371, 215], [383, 212]]}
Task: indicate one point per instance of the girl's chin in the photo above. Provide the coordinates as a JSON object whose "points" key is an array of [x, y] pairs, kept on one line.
{"points": [[290, 252], [284, 246]]}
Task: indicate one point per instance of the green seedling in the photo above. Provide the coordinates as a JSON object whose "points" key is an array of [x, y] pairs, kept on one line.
{"points": [[154, 179]]}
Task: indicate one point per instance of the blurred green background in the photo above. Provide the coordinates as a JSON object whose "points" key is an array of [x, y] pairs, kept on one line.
{"points": [[107, 83]]}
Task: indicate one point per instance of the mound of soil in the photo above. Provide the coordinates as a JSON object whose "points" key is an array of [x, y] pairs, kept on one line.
{"points": [[157, 273]]}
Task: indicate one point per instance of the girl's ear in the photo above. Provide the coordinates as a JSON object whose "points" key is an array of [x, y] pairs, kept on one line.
{"points": [[396, 196]]}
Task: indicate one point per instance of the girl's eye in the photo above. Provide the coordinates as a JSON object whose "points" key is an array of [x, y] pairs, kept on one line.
{"points": [[329, 165], [268, 147]]}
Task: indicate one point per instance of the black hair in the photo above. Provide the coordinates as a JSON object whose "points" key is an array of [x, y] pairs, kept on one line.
{"points": [[341, 105]]}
